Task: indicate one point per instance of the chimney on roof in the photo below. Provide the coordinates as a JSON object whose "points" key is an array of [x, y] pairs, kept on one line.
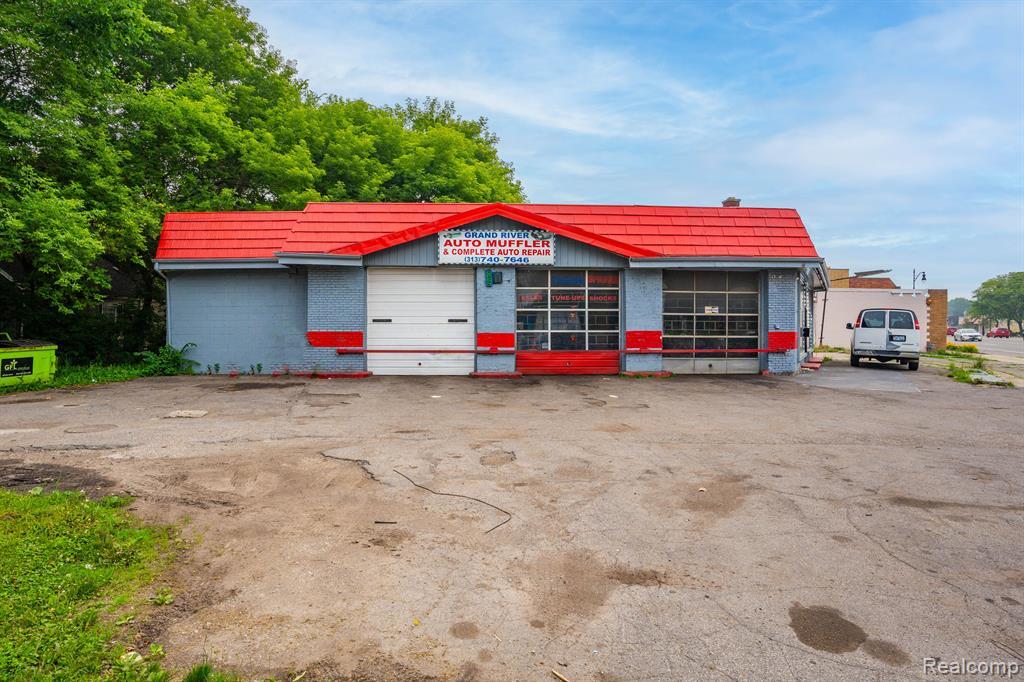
{"points": [[731, 202]]}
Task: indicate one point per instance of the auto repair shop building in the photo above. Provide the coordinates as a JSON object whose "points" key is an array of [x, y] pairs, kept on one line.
{"points": [[351, 289]]}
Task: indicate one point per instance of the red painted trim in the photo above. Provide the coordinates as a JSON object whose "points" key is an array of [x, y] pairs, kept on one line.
{"points": [[488, 211], [780, 342], [568, 362], [329, 339], [643, 340], [495, 340], [496, 375], [450, 351]]}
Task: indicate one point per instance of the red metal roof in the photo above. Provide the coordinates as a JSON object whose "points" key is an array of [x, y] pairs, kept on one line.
{"points": [[227, 234], [360, 228]]}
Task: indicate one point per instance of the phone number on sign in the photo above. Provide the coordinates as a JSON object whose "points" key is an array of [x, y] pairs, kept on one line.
{"points": [[494, 259]]}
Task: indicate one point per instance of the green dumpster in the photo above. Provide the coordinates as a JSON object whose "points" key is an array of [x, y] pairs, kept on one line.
{"points": [[26, 361]]}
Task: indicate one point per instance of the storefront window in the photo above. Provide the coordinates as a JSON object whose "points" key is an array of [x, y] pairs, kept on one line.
{"points": [[710, 311], [567, 309]]}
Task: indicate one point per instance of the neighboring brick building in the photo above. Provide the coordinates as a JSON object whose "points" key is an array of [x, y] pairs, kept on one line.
{"points": [[492, 289], [938, 312]]}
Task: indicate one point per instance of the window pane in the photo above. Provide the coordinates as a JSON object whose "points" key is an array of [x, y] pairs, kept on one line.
{"points": [[742, 326], [741, 344], [603, 278], [743, 303], [568, 341], [567, 278], [743, 281], [531, 278], [604, 341], [603, 298], [532, 320], [679, 325], [710, 281], [710, 326], [532, 341], [531, 298], [677, 280], [567, 319], [873, 319], [568, 298], [678, 303], [709, 344], [900, 319], [602, 320], [669, 343], [710, 304]]}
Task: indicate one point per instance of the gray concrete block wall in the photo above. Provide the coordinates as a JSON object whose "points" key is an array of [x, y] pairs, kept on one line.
{"points": [[239, 318], [496, 312], [641, 311], [336, 302], [783, 315]]}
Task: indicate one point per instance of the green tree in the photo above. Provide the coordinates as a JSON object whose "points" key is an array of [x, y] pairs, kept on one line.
{"points": [[958, 306], [114, 112], [1000, 298]]}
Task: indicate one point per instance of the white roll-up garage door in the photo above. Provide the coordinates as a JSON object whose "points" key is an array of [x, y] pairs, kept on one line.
{"points": [[412, 308]]}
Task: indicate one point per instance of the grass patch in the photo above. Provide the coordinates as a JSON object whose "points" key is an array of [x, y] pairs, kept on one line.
{"points": [[962, 373], [831, 349], [967, 351], [83, 375], [65, 561], [71, 570]]}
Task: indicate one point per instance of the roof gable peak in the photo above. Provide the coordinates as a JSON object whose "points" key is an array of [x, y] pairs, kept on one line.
{"points": [[491, 210]]}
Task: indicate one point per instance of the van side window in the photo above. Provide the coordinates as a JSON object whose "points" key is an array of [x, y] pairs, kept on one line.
{"points": [[901, 319], [873, 319]]}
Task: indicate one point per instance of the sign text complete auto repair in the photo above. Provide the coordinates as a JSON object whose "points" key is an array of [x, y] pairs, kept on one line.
{"points": [[496, 247]]}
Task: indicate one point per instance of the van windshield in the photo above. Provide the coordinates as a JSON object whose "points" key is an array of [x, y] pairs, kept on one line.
{"points": [[873, 319], [901, 319]]}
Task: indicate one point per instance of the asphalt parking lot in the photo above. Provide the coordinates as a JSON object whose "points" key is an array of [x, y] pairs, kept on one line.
{"points": [[827, 527]]}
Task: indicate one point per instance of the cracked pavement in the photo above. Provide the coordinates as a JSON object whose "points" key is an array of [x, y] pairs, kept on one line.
{"points": [[688, 528]]}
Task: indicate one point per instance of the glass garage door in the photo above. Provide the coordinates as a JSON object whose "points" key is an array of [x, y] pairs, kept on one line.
{"points": [[567, 321], [711, 312], [567, 310]]}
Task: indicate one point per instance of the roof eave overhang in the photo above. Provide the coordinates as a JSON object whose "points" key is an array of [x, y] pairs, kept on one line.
{"points": [[707, 262], [489, 211], [167, 264], [815, 266], [333, 259]]}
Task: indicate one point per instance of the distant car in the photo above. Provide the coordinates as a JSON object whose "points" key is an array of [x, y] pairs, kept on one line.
{"points": [[885, 335], [998, 333], [967, 334], [950, 331]]}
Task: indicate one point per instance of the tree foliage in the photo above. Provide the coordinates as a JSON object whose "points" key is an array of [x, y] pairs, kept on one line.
{"points": [[1000, 298], [957, 307], [113, 112]]}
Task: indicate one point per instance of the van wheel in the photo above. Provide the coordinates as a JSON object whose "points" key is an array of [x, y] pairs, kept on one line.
{"points": [[913, 365], [854, 360]]}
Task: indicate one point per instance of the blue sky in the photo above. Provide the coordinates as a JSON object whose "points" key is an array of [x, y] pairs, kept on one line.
{"points": [[896, 129]]}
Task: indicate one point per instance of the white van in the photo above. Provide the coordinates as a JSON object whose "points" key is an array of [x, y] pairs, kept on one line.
{"points": [[886, 334]]}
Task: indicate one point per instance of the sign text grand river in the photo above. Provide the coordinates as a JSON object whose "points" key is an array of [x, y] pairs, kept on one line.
{"points": [[495, 247]]}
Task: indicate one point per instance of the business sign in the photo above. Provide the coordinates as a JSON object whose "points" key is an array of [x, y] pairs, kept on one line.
{"points": [[472, 246], [15, 367]]}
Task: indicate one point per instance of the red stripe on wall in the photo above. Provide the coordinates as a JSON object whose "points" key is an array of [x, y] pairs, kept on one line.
{"points": [[330, 339], [568, 362], [643, 340], [495, 340], [781, 341]]}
